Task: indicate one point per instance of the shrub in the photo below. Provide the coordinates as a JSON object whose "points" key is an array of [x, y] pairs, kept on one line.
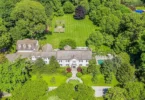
{"points": [[69, 42], [94, 79], [80, 12], [68, 7], [79, 74], [79, 69], [68, 69], [69, 74], [84, 70]]}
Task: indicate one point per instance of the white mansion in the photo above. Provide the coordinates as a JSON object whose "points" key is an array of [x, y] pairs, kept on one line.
{"points": [[68, 57]]}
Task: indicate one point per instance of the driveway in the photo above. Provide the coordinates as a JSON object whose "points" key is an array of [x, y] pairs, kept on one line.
{"points": [[100, 90]]}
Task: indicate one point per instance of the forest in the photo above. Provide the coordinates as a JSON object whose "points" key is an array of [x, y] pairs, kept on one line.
{"points": [[118, 30]]}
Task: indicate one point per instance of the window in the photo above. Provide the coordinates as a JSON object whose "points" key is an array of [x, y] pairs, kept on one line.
{"points": [[19, 46], [60, 64], [81, 60], [46, 62], [80, 65], [29, 46], [67, 64], [24, 46]]}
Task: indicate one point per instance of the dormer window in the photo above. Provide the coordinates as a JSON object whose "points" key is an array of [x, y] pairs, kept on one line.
{"points": [[24, 46], [29, 46], [19, 46]]}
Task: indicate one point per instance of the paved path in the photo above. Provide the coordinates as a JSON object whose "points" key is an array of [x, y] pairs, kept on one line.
{"points": [[100, 90], [6, 94], [51, 88], [74, 77]]}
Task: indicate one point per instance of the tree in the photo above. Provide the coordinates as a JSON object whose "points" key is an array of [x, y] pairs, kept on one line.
{"points": [[80, 13], [92, 66], [29, 19], [94, 79], [69, 42], [97, 14], [3, 59], [85, 4], [121, 43], [110, 67], [53, 64], [124, 57], [134, 90], [84, 92], [95, 39], [108, 40], [5, 41], [107, 67], [67, 94], [31, 90], [125, 73], [110, 24], [115, 93], [39, 62], [140, 73], [39, 66], [68, 7], [14, 75]]}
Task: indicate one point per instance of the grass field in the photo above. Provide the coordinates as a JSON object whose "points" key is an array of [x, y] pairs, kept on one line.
{"points": [[77, 30], [59, 79], [87, 80]]}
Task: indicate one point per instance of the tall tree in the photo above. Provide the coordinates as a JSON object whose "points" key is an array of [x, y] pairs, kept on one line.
{"points": [[13, 75], [31, 90], [134, 90], [95, 39], [116, 93], [84, 92], [69, 42], [125, 73], [29, 20], [92, 66], [110, 24], [68, 7]]}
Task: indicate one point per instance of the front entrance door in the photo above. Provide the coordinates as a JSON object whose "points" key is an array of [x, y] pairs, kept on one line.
{"points": [[73, 67]]}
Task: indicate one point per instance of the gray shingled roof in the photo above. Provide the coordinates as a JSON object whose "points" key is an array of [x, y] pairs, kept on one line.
{"points": [[44, 54], [27, 44], [27, 41], [76, 54], [47, 48]]}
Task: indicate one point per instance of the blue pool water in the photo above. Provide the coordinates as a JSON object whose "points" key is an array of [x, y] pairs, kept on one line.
{"points": [[100, 62]]}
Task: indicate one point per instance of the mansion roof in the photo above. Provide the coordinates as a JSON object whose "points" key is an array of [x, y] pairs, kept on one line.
{"points": [[47, 51], [27, 44]]}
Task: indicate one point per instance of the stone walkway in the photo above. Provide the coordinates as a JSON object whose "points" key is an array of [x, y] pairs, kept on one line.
{"points": [[74, 77]]}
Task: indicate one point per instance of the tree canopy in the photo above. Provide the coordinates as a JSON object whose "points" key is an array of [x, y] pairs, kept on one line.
{"points": [[29, 19], [31, 90]]}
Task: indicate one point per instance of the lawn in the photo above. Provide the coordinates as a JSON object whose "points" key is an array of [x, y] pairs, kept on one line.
{"points": [[87, 80], [57, 80], [74, 82], [140, 8], [78, 30]]}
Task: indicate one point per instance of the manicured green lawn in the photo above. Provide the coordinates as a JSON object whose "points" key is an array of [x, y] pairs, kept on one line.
{"points": [[140, 8], [79, 30], [87, 80], [59, 79], [74, 82]]}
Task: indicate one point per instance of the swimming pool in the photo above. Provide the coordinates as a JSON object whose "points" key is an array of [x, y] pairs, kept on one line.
{"points": [[100, 62]]}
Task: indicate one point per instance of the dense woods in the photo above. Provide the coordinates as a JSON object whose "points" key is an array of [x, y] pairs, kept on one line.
{"points": [[120, 31]]}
